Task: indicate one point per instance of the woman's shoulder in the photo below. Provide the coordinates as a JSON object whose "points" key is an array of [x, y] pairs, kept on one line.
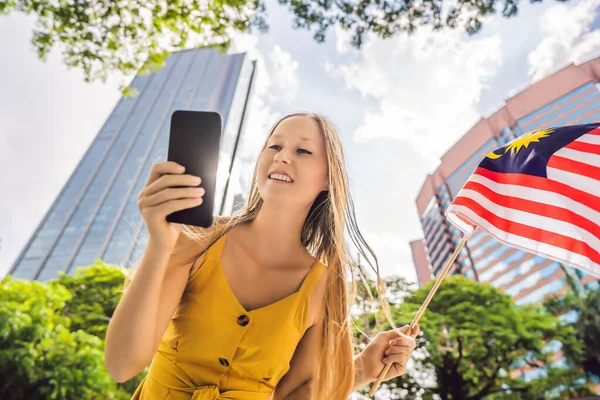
{"points": [[318, 293], [193, 243]]}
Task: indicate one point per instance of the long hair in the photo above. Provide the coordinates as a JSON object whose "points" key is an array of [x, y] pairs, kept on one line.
{"points": [[330, 218]]}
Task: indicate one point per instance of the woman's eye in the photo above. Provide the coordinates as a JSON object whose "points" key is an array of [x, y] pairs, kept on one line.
{"points": [[275, 147], [304, 151]]}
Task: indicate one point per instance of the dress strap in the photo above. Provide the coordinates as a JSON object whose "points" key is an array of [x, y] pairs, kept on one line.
{"points": [[312, 278], [210, 256], [306, 290], [217, 247]]}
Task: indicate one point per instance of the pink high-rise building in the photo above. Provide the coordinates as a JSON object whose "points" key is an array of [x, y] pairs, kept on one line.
{"points": [[569, 96]]}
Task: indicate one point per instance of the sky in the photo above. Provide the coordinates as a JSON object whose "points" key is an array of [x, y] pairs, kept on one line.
{"points": [[398, 104]]}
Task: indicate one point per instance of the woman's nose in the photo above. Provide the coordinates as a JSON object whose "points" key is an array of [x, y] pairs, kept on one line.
{"points": [[281, 156]]}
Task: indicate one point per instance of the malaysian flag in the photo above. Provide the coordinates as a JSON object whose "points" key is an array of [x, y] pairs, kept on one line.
{"points": [[540, 193]]}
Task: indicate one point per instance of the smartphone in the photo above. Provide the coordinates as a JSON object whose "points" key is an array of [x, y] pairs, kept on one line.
{"points": [[194, 143]]}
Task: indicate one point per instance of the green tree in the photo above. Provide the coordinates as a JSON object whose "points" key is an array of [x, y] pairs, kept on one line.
{"points": [[100, 36], [95, 293], [40, 358], [52, 341], [388, 18], [585, 304], [473, 337], [367, 302], [127, 36]]}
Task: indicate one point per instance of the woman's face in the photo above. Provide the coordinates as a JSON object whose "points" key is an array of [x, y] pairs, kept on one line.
{"points": [[292, 168]]}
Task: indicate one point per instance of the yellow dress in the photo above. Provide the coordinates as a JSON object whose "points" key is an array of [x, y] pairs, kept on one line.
{"points": [[214, 349]]}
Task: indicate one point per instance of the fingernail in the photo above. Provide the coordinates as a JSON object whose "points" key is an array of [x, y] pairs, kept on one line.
{"points": [[393, 342], [181, 168]]}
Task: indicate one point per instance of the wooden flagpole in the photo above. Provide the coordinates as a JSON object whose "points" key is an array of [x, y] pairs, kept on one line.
{"points": [[423, 307]]}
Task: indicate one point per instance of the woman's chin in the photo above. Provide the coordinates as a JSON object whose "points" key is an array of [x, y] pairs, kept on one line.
{"points": [[288, 203]]}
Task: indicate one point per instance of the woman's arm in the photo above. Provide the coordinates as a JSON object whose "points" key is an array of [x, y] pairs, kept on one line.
{"points": [[303, 392], [296, 382], [368, 364], [388, 347], [141, 317], [359, 379]]}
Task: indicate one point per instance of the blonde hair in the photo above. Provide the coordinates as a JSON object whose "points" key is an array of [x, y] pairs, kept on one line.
{"points": [[323, 235]]}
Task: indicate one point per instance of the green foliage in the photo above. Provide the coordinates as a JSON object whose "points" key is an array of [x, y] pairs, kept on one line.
{"points": [[52, 336], [388, 18], [473, 337], [558, 383], [100, 37], [586, 304], [95, 291]]}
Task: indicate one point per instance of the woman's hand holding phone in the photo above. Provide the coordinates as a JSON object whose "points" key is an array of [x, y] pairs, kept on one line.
{"points": [[167, 190]]}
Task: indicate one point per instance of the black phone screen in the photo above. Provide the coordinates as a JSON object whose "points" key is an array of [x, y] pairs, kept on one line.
{"points": [[194, 143]]}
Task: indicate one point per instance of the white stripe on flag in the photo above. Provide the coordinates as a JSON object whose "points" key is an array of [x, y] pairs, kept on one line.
{"points": [[559, 254], [454, 220], [581, 182], [589, 138], [534, 220], [580, 156], [538, 195], [466, 229]]}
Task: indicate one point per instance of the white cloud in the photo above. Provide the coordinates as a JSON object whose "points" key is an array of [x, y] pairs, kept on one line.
{"points": [[343, 40], [567, 38], [393, 254], [427, 85], [285, 74], [328, 67], [277, 72], [246, 43]]}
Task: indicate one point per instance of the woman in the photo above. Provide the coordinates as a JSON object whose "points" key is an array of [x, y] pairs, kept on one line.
{"points": [[256, 307]]}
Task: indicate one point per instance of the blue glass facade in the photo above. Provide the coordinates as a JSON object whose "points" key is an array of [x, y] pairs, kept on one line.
{"points": [[95, 215], [436, 234], [581, 106]]}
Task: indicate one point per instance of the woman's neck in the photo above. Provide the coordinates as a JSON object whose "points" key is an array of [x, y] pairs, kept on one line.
{"points": [[278, 229]]}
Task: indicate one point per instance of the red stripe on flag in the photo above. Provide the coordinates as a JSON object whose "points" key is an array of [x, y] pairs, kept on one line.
{"points": [[584, 147], [529, 232], [534, 207], [595, 131], [538, 182], [573, 166]]}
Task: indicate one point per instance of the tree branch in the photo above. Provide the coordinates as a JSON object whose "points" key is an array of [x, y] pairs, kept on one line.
{"points": [[492, 379], [512, 389]]}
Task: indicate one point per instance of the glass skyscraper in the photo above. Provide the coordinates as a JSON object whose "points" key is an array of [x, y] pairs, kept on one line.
{"points": [[95, 215]]}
